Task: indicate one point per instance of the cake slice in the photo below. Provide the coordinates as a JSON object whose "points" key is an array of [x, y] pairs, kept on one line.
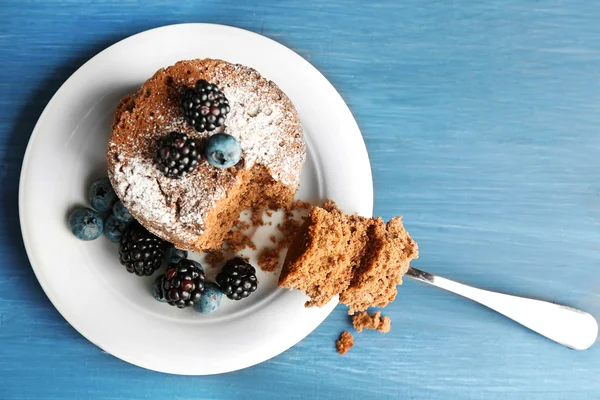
{"points": [[321, 254], [361, 259]]}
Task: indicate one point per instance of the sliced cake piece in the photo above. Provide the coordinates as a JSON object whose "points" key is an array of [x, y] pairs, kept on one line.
{"points": [[316, 262], [386, 260], [361, 259]]}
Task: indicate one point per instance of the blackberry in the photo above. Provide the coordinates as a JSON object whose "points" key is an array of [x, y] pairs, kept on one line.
{"points": [[237, 279], [140, 251], [204, 106], [183, 284], [177, 155], [157, 288]]}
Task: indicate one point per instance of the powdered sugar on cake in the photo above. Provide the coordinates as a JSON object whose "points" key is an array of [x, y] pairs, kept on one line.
{"points": [[261, 117], [145, 191], [253, 120]]}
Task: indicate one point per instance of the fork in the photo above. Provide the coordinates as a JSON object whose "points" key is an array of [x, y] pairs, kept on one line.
{"points": [[568, 326]]}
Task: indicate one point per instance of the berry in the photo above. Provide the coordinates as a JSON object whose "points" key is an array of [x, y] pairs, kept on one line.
{"points": [[222, 150], [237, 279], [85, 223], [140, 251], [114, 228], [197, 265], [183, 284], [121, 213], [204, 106], [173, 255], [177, 155], [210, 300], [102, 195], [157, 289]]}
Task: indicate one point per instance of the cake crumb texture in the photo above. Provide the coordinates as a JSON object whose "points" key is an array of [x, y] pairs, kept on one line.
{"points": [[214, 257], [241, 225], [238, 241], [242, 235], [300, 205], [268, 260], [344, 343], [256, 219], [364, 320], [361, 259]]}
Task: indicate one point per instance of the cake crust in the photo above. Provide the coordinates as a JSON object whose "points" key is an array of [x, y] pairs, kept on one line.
{"points": [[196, 211]]}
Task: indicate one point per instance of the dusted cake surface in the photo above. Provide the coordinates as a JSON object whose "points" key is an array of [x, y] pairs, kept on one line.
{"points": [[196, 211]]}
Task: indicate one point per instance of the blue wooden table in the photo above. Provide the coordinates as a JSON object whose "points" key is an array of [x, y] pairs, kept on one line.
{"points": [[482, 121]]}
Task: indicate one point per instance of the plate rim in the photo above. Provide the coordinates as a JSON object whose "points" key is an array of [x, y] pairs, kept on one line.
{"points": [[27, 162]]}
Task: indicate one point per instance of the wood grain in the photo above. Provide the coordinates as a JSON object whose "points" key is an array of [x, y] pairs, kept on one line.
{"points": [[482, 124]]}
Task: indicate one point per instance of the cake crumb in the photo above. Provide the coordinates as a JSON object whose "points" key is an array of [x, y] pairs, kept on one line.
{"points": [[214, 257], [385, 325], [237, 241], [269, 259], [288, 228], [344, 343], [300, 205], [241, 225], [256, 219], [364, 320]]}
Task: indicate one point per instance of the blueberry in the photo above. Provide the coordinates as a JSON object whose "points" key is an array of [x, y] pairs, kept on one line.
{"points": [[121, 212], [222, 150], [157, 289], [197, 265], [102, 195], [210, 300], [85, 223], [114, 228], [174, 255]]}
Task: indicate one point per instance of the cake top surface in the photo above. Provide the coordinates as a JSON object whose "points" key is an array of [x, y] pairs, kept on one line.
{"points": [[261, 117]]}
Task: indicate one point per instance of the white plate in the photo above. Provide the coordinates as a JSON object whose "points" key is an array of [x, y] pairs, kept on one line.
{"points": [[84, 280]]}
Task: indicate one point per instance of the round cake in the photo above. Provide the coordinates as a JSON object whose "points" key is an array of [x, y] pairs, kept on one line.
{"points": [[196, 211]]}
